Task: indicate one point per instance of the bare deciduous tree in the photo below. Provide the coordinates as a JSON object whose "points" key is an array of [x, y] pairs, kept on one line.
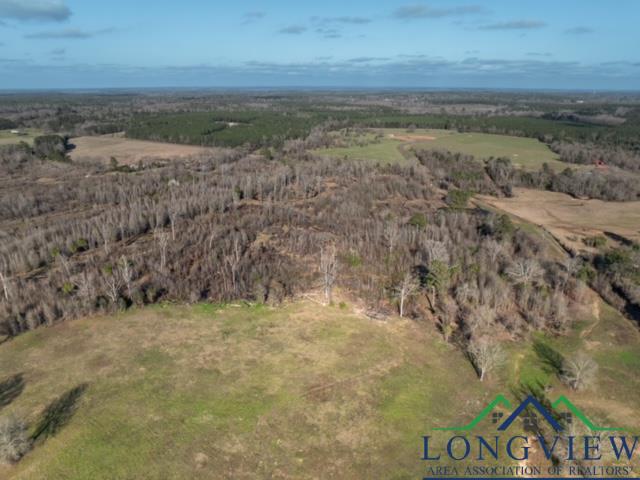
{"points": [[14, 439], [233, 261], [127, 274], [64, 262], [85, 288], [5, 285], [479, 320], [579, 371], [406, 290], [436, 252], [486, 355], [173, 218], [494, 249], [572, 265], [467, 293], [391, 235], [112, 282], [525, 271], [163, 240], [447, 318], [105, 233], [329, 270]]}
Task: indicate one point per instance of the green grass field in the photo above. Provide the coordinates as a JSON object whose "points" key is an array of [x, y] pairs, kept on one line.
{"points": [[300, 391], [386, 151], [8, 138], [527, 153]]}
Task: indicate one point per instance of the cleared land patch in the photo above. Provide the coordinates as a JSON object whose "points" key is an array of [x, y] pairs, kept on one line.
{"points": [[527, 153], [126, 150], [172, 392], [570, 219], [389, 145], [26, 135], [318, 388], [384, 151]]}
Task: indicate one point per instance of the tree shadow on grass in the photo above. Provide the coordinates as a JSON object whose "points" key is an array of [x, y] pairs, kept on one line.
{"points": [[58, 413], [551, 358], [10, 389]]}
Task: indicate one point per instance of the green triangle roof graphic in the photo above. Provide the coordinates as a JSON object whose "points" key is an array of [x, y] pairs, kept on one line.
{"points": [[562, 400], [499, 400]]}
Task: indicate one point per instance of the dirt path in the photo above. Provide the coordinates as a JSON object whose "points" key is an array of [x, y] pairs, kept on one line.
{"points": [[517, 363], [596, 313]]}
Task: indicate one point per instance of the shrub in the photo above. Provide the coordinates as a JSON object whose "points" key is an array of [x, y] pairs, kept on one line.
{"points": [[418, 220], [6, 124], [52, 147], [68, 288], [595, 241], [353, 259], [14, 440], [458, 198], [79, 245], [586, 274]]}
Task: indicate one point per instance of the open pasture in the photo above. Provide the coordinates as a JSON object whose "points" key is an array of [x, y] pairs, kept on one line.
{"points": [[173, 392], [127, 151], [391, 145], [26, 135]]}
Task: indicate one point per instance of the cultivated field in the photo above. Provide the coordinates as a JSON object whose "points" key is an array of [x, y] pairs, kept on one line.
{"points": [[127, 151], [27, 135], [392, 146], [300, 391], [570, 219]]}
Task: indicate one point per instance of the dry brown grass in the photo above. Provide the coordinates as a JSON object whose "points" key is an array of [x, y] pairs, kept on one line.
{"points": [[411, 137], [128, 151], [570, 219]]}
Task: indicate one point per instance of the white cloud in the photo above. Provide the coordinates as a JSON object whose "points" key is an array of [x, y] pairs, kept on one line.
{"points": [[69, 33], [43, 10], [293, 30], [515, 25], [409, 12]]}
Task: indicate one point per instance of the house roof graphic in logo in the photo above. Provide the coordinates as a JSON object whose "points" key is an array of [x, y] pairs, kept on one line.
{"points": [[525, 409], [499, 400], [531, 401]]}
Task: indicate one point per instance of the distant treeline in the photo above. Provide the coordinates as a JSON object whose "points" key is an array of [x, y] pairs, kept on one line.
{"points": [[228, 128], [546, 130], [260, 128], [456, 170], [6, 124]]}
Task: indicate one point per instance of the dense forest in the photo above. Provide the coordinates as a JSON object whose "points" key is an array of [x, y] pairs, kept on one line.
{"points": [[271, 219], [244, 227]]}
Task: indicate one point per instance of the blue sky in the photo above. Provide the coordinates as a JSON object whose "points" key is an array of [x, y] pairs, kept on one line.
{"points": [[563, 44]]}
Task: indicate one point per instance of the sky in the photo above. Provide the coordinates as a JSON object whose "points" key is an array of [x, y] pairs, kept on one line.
{"points": [[541, 44]]}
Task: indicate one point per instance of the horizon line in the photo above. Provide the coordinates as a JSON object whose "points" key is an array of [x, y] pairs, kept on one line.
{"points": [[318, 88]]}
